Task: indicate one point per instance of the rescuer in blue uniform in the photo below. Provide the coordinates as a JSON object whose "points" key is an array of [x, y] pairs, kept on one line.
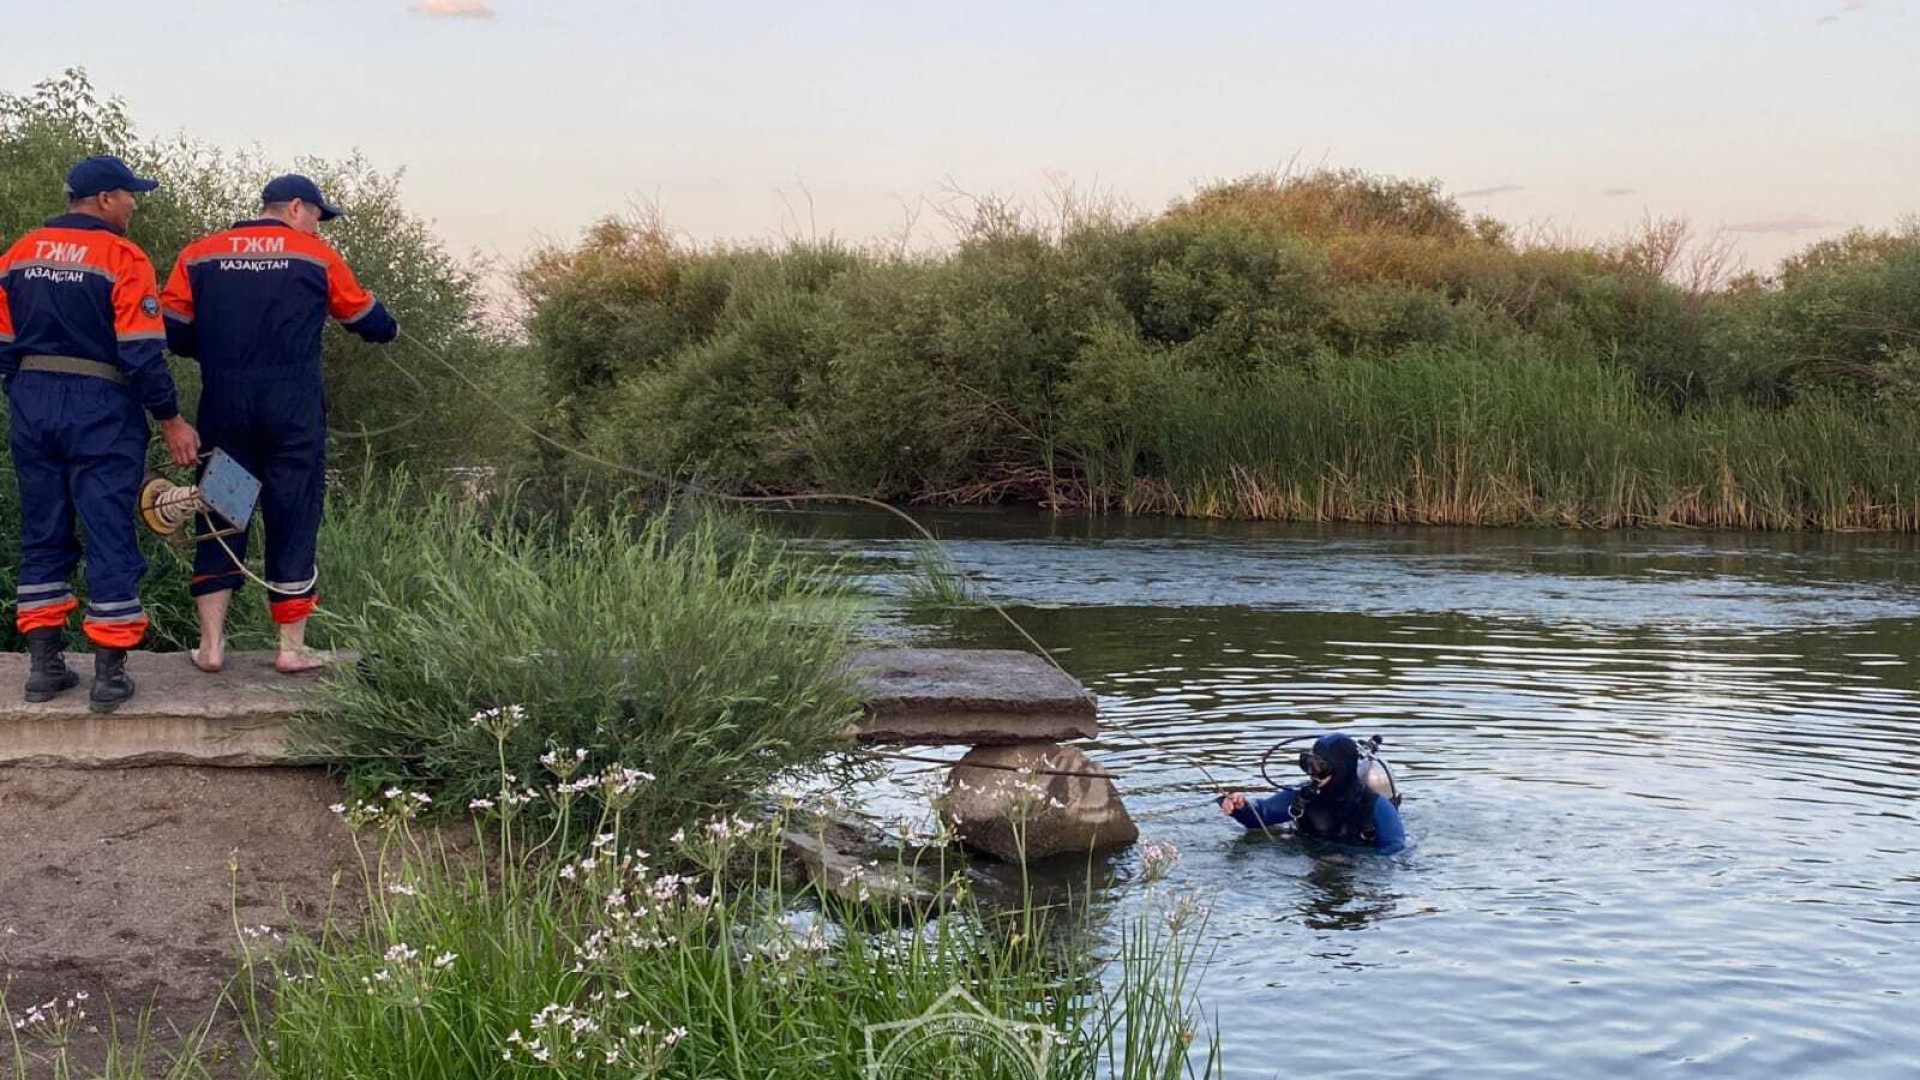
{"points": [[1334, 804], [80, 357], [249, 303]]}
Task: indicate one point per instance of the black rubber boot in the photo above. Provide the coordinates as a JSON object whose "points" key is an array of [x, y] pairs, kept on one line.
{"points": [[111, 686], [47, 670]]}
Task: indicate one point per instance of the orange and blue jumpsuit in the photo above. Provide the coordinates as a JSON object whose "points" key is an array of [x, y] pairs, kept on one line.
{"points": [[249, 303], [80, 356]]}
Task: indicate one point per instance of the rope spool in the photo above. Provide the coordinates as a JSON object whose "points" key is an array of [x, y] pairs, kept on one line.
{"points": [[166, 506]]}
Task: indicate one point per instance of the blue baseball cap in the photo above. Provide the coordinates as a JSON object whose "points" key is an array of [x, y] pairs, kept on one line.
{"points": [[104, 172], [294, 186]]}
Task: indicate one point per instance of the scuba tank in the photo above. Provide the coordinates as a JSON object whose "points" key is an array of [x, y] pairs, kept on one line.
{"points": [[1375, 773], [1373, 769]]}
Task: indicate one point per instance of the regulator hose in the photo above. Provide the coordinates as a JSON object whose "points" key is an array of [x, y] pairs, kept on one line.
{"points": [[1369, 751]]}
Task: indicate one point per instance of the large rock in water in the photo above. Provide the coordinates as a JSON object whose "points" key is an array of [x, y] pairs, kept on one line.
{"points": [[1007, 801], [972, 697]]}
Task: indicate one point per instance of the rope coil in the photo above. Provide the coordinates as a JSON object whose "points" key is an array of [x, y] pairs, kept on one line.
{"points": [[167, 506]]}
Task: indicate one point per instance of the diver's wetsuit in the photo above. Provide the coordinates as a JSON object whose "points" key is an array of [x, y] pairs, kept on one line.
{"points": [[1389, 834], [1346, 811]]}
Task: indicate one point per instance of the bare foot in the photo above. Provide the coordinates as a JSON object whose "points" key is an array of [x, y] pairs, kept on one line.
{"points": [[290, 663], [213, 661]]}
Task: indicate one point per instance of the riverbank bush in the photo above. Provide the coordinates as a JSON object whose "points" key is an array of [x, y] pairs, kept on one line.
{"points": [[691, 959], [1025, 363], [676, 644], [1326, 345]]}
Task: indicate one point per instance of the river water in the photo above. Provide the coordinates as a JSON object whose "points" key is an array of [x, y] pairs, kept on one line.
{"points": [[1661, 787]]}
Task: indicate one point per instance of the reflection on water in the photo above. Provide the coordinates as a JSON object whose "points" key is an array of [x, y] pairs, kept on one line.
{"points": [[1661, 788], [1324, 888]]}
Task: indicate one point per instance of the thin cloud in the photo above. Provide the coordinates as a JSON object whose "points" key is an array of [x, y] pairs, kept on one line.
{"points": [[1787, 225], [453, 9], [1616, 192], [1847, 8], [1487, 192]]}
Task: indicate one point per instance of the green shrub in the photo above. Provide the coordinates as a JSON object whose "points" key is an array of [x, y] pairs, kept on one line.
{"points": [[1419, 365], [665, 644], [993, 371], [1231, 299], [1841, 310]]}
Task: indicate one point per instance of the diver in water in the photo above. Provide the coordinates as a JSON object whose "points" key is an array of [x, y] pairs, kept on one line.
{"points": [[1334, 804]]}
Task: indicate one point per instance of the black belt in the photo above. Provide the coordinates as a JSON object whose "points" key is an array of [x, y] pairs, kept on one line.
{"points": [[74, 365]]}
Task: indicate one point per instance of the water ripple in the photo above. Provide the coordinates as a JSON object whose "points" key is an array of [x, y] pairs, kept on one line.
{"points": [[1662, 789]]}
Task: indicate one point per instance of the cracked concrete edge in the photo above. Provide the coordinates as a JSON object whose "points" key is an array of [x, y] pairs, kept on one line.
{"points": [[968, 697], [103, 743], [973, 729]]}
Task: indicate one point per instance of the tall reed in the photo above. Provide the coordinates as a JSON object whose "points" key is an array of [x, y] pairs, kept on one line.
{"points": [[1510, 438]]}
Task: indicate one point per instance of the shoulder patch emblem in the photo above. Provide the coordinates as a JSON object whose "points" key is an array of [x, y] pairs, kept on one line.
{"points": [[150, 305]]}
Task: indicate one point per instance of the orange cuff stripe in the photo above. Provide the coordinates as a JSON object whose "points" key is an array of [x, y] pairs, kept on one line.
{"points": [[115, 635], [46, 615], [292, 611]]}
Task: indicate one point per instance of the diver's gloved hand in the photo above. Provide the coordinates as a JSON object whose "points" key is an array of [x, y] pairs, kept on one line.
{"points": [[1232, 802]]}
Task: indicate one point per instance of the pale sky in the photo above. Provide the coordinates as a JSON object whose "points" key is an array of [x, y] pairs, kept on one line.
{"points": [[516, 122]]}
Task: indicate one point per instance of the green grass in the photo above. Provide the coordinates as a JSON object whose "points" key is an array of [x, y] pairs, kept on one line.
{"points": [[933, 580], [609, 963], [700, 958], [674, 643], [630, 677]]}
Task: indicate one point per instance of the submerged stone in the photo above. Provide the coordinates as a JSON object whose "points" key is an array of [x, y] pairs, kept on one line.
{"points": [[1011, 801], [862, 870]]}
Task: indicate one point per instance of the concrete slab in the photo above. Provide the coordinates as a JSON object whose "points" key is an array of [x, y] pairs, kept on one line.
{"points": [[178, 716], [975, 697], [239, 717]]}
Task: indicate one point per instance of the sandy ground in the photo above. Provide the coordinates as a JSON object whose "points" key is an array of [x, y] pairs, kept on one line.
{"points": [[116, 882]]}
